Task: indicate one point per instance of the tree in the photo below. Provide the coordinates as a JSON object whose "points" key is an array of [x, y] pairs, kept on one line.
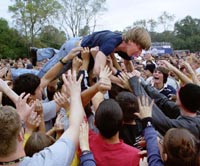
{"points": [[152, 24], [187, 27], [31, 16], [166, 19], [187, 30], [78, 14], [11, 42], [50, 36], [140, 23]]}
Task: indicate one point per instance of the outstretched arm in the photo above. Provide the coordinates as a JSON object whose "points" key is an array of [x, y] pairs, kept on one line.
{"points": [[8, 91], [53, 72], [76, 107], [181, 76]]}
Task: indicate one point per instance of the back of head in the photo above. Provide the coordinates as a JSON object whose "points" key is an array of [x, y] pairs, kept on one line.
{"points": [[108, 118], [10, 126], [37, 142], [27, 83], [189, 97], [129, 105], [139, 36], [181, 147]]}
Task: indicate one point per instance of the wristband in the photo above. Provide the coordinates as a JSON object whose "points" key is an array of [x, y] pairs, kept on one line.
{"points": [[63, 63], [85, 152]]}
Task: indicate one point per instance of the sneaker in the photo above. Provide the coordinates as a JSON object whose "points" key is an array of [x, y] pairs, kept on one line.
{"points": [[33, 55]]}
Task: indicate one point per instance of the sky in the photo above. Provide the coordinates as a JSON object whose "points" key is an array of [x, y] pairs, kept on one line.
{"points": [[122, 13]]}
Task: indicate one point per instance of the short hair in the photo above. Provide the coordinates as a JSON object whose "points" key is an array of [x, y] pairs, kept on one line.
{"points": [[129, 105], [139, 36], [164, 71], [108, 118], [10, 126], [27, 83], [181, 147], [37, 142], [189, 97]]}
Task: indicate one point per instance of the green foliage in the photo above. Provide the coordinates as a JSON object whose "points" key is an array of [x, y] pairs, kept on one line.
{"points": [[31, 16], [11, 43], [52, 37], [186, 34]]}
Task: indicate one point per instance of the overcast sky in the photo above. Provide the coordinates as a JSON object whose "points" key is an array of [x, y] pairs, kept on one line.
{"points": [[122, 13]]}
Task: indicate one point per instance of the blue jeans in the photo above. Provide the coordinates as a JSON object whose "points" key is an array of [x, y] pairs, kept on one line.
{"points": [[64, 50], [20, 71], [46, 53]]}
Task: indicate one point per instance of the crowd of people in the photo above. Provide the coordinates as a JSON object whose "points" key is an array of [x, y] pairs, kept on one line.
{"points": [[100, 101]]}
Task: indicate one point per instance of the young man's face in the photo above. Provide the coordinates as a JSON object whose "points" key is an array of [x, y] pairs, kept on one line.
{"points": [[158, 77], [133, 49]]}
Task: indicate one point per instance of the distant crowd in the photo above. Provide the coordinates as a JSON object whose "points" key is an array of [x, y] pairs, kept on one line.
{"points": [[100, 100]]}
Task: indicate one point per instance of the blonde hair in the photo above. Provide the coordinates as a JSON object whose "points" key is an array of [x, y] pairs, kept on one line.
{"points": [[139, 36], [10, 126]]}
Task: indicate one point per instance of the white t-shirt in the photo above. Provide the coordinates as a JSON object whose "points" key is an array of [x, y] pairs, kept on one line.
{"points": [[61, 153]]}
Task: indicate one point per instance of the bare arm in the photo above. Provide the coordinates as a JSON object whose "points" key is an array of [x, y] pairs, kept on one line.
{"points": [[8, 91], [192, 73], [181, 76], [76, 107], [102, 85], [100, 60]]}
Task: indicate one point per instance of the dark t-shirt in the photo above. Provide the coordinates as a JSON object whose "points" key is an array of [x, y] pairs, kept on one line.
{"points": [[131, 135], [106, 40]]}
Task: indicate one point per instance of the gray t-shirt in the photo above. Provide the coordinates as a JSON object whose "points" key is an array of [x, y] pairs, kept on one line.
{"points": [[61, 153]]}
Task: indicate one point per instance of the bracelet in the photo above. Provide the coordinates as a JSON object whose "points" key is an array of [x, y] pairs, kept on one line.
{"points": [[61, 61], [85, 152]]}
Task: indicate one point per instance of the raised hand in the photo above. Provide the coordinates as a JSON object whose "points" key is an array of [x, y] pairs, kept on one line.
{"points": [[105, 72], [23, 108], [33, 122], [59, 126], [134, 73], [124, 81], [72, 85], [76, 64], [104, 82], [168, 65], [85, 53], [145, 107], [38, 107], [62, 100], [110, 62], [74, 52]]}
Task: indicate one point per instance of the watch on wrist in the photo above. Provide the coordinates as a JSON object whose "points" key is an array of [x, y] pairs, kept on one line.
{"points": [[61, 61], [149, 124]]}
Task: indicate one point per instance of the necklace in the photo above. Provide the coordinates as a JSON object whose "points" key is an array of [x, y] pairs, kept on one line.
{"points": [[12, 162]]}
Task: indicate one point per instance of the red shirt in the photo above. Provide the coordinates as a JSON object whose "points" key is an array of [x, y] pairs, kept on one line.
{"points": [[119, 154]]}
